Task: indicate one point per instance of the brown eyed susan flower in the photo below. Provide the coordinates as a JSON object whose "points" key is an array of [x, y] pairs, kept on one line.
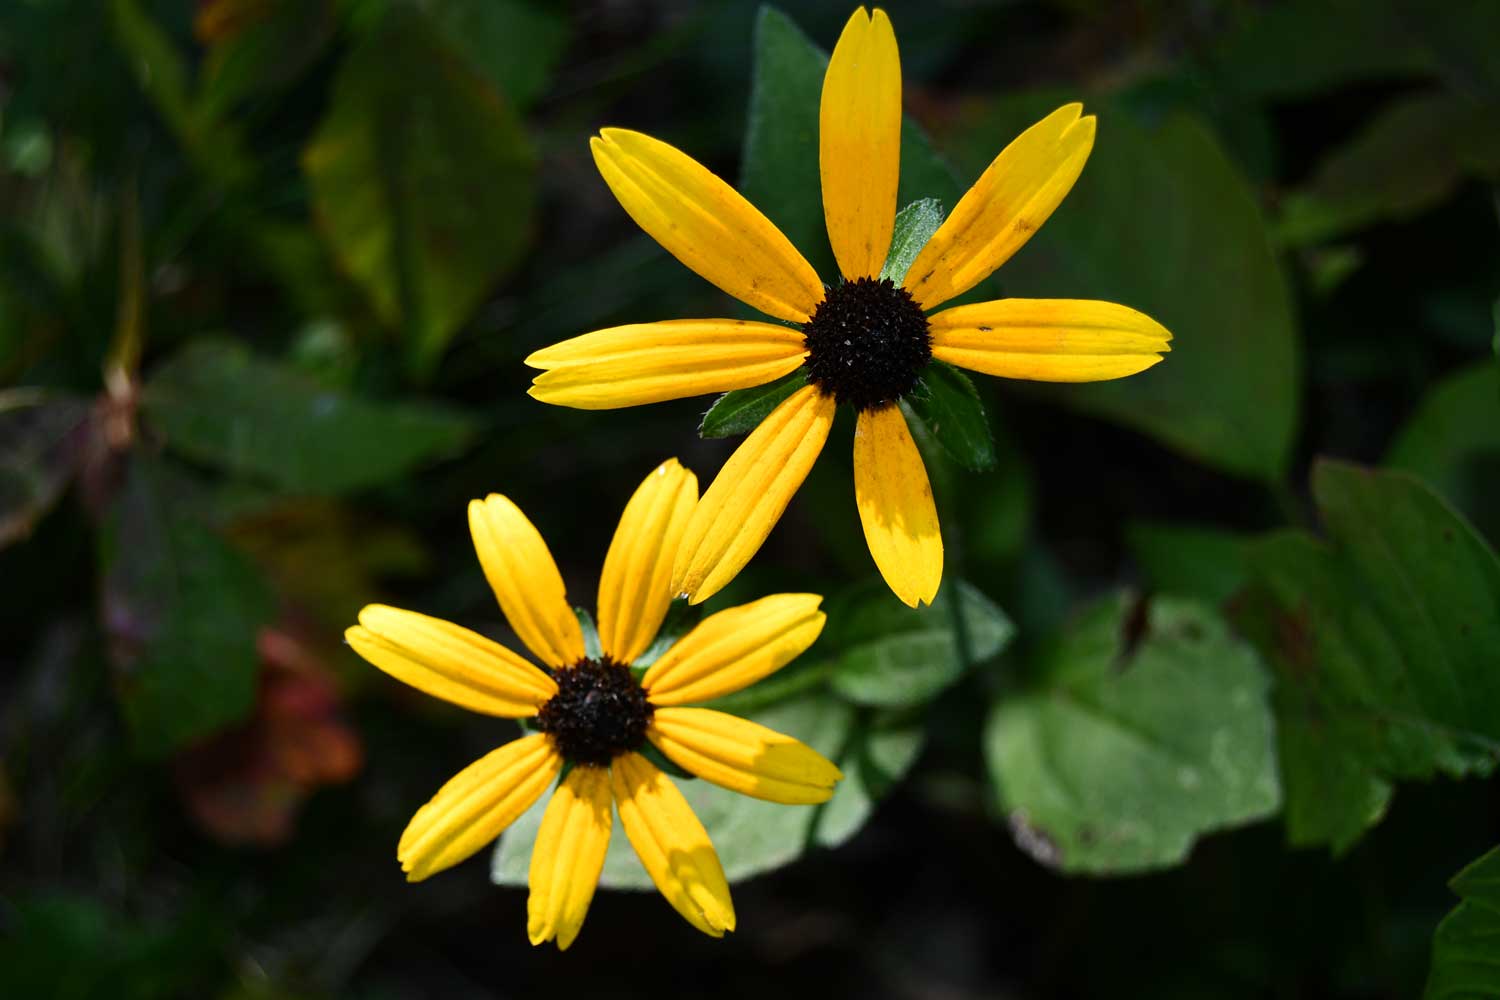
{"points": [[862, 341], [594, 717]]}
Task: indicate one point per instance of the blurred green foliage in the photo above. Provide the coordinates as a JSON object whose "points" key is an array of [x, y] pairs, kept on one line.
{"points": [[268, 271]]}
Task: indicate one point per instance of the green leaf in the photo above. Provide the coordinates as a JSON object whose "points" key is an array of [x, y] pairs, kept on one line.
{"points": [[216, 403], [591, 646], [422, 181], [945, 401], [1137, 737], [1468, 939], [884, 748], [892, 656], [780, 174], [1162, 221], [1384, 640], [681, 619], [183, 610], [276, 43], [1189, 561], [750, 835], [740, 411], [915, 225], [514, 43], [1413, 154], [1453, 441]]}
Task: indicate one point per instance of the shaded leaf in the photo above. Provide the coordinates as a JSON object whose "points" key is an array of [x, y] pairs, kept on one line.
{"points": [[1162, 221], [1453, 441], [1189, 561], [884, 748], [945, 401], [422, 181], [1468, 939], [1123, 753], [182, 610], [514, 43], [893, 656], [218, 404], [258, 48], [39, 452], [1410, 157], [1383, 638], [740, 411]]}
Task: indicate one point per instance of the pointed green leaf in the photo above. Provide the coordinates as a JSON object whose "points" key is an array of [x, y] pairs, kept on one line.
{"points": [[422, 181], [1466, 943], [1384, 638], [915, 225], [740, 411], [946, 402]]}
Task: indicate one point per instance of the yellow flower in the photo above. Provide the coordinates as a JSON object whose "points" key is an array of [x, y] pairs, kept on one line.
{"points": [[593, 715], [863, 341]]}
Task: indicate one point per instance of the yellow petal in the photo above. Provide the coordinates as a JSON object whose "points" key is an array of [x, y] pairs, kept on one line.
{"points": [[651, 362], [635, 588], [476, 805], [743, 756], [525, 580], [449, 662], [734, 648], [748, 496], [568, 856], [672, 845], [1050, 340], [895, 505], [706, 224], [859, 143], [1005, 206]]}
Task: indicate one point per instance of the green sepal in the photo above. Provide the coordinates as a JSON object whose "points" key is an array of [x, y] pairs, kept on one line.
{"points": [[915, 225], [681, 619], [591, 645], [948, 405], [742, 410], [655, 756]]}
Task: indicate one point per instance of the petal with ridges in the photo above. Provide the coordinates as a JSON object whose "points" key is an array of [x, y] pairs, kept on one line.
{"points": [[568, 856], [859, 143], [449, 662], [707, 224], [525, 580], [635, 588], [743, 756], [1049, 340], [751, 491], [476, 805], [734, 648], [1005, 206], [652, 362], [672, 845], [896, 506]]}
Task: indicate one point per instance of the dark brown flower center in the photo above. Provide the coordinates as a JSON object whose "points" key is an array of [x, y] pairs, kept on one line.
{"points": [[867, 342], [598, 713]]}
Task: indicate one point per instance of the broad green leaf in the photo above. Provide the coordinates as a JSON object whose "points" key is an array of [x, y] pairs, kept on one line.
{"points": [[892, 656], [1466, 944], [514, 43], [1384, 640], [883, 750], [422, 181], [1137, 736], [1410, 157], [780, 170], [945, 401], [1453, 441], [1188, 560], [1162, 221], [41, 442], [751, 836], [183, 611], [915, 225], [740, 411], [216, 403]]}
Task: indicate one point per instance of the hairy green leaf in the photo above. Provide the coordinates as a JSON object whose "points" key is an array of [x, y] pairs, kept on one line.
{"points": [[740, 411]]}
